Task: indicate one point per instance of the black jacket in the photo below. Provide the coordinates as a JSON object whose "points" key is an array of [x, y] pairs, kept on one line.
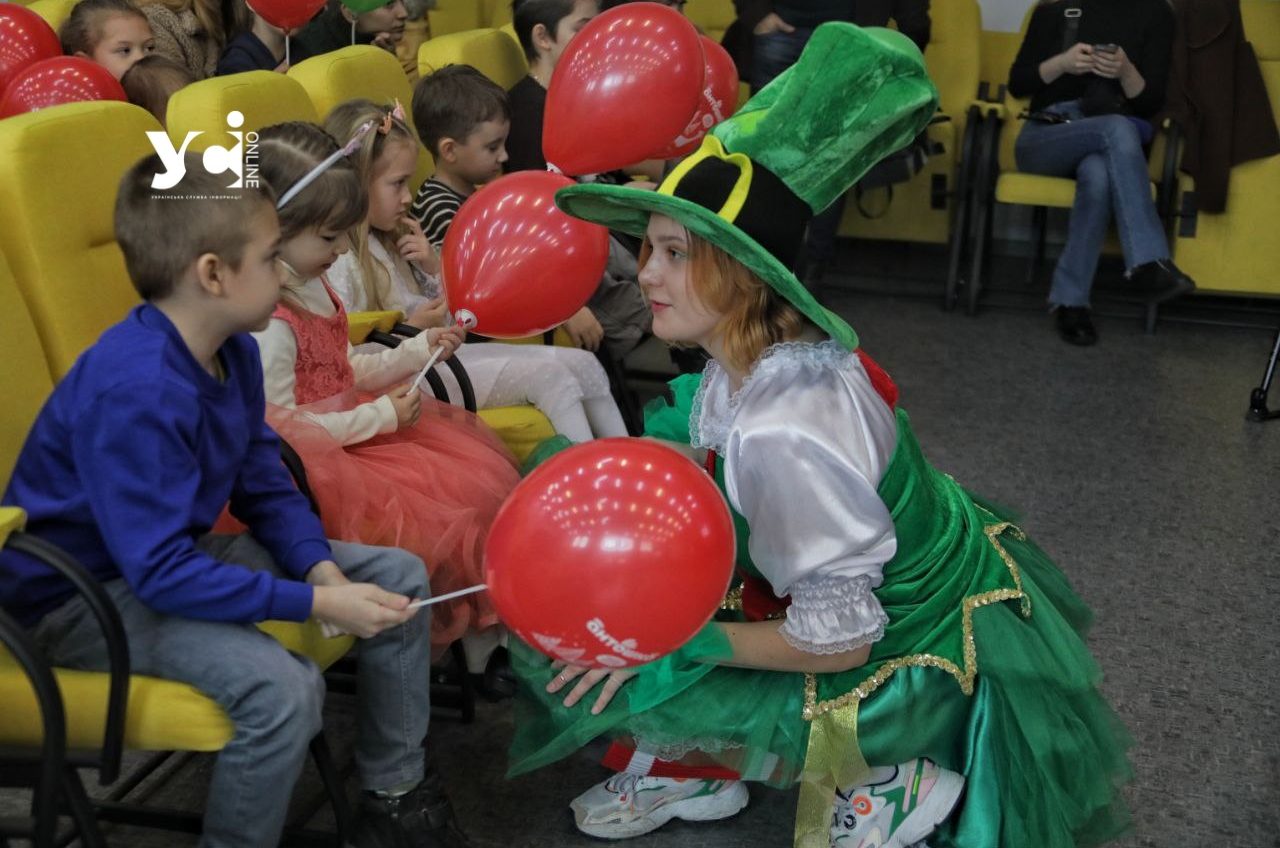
{"points": [[911, 16]]}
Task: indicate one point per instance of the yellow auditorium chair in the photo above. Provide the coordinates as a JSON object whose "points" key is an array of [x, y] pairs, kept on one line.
{"points": [[360, 71], [997, 180], [929, 206], [54, 12], [490, 51], [711, 17], [498, 13], [70, 275], [450, 16], [262, 98], [1235, 251]]}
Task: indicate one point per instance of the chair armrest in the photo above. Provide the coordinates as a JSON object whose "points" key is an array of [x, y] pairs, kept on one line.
{"points": [[360, 325], [108, 617], [464, 383], [986, 108], [406, 330], [293, 463], [53, 720]]}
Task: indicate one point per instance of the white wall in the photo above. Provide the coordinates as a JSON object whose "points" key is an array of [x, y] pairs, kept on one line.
{"points": [[1002, 15]]}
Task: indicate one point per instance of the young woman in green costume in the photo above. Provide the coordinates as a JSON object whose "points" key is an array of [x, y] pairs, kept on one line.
{"points": [[896, 646]]}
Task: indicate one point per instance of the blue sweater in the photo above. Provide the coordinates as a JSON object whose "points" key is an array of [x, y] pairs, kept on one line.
{"points": [[132, 459]]}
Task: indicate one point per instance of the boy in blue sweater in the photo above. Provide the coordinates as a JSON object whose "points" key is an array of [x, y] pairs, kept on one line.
{"points": [[155, 428]]}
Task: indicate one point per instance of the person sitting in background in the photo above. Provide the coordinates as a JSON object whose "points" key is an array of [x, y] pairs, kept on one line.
{"points": [[113, 33], [190, 32], [152, 81], [768, 37], [261, 47], [1094, 77], [347, 22]]}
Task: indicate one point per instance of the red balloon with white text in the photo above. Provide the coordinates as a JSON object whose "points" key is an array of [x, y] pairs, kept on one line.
{"points": [[611, 554], [626, 85]]}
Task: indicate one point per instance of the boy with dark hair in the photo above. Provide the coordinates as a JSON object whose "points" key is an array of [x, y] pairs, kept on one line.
{"points": [[128, 465], [463, 119]]}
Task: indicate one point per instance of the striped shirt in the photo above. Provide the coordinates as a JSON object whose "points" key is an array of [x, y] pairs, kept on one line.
{"points": [[434, 207]]}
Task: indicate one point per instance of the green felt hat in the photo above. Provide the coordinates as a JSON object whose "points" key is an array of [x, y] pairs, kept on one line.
{"points": [[854, 96]]}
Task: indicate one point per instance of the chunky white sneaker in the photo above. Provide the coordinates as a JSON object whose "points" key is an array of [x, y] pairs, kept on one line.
{"points": [[899, 809], [629, 805]]}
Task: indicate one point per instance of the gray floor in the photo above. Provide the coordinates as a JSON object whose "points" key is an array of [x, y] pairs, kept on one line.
{"points": [[1132, 464]]}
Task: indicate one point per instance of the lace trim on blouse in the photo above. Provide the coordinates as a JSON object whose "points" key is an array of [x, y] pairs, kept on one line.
{"points": [[832, 614], [711, 418]]}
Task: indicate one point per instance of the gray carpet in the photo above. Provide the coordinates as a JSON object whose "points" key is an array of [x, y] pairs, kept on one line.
{"points": [[1132, 464]]}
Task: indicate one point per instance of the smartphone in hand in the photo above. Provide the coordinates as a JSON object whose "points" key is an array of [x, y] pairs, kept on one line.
{"points": [[1105, 48]]}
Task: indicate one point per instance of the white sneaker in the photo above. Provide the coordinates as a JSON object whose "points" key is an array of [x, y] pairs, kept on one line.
{"points": [[898, 810], [629, 805]]}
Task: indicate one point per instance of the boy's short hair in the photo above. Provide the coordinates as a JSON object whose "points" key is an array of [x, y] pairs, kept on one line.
{"points": [[526, 14], [453, 102], [152, 80], [163, 232]]}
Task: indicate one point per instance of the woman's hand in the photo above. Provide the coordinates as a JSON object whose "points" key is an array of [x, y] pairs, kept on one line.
{"points": [[1077, 60], [613, 681], [771, 23], [449, 338], [414, 247], [430, 314], [1115, 64]]}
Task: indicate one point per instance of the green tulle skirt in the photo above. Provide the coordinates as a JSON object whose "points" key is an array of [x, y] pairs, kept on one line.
{"points": [[983, 669]]}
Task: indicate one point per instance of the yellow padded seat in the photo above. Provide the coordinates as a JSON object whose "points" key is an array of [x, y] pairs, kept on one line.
{"points": [[1036, 190], [713, 17], [59, 172], [163, 715], [489, 51], [361, 71], [450, 16], [498, 13], [521, 428], [26, 378], [263, 98], [54, 12]]}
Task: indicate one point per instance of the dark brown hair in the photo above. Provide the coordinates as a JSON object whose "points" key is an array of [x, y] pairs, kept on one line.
{"points": [[527, 14], [337, 200], [453, 102]]}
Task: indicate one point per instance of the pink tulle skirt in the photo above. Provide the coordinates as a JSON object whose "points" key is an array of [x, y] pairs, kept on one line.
{"points": [[432, 489]]}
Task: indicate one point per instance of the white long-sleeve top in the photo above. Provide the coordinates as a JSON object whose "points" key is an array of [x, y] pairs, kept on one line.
{"points": [[804, 442], [374, 371]]}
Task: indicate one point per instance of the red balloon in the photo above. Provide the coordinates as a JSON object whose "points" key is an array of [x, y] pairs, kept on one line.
{"points": [[611, 554], [52, 82], [719, 99], [25, 39], [625, 86], [516, 263], [287, 14]]}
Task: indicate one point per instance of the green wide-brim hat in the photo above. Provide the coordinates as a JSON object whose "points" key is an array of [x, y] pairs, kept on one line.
{"points": [[854, 96]]}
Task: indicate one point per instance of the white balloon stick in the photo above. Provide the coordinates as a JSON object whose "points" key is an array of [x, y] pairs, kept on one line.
{"points": [[426, 602]]}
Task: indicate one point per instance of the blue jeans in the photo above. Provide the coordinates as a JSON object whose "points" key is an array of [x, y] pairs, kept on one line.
{"points": [[1104, 155], [273, 697]]}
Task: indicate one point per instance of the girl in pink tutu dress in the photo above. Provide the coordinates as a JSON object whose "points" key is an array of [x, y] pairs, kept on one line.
{"points": [[387, 465]]}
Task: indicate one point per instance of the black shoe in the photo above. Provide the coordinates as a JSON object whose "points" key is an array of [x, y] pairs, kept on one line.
{"points": [[1075, 325], [421, 818], [498, 682], [1161, 281]]}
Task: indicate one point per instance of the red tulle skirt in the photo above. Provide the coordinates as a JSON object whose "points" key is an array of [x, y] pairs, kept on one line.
{"points": [[432, 488]]}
